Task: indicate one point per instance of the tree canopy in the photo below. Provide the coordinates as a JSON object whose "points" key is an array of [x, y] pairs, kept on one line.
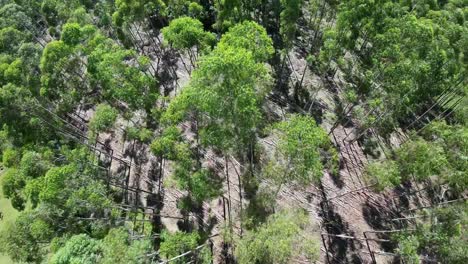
{"points": [[196, 131]]}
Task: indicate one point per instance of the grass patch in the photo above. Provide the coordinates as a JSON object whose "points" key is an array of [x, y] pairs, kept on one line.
{"points": [[9, 214]]}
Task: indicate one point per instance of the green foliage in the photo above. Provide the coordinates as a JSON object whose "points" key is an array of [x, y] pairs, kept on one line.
{"points": [[10, 158], [454, 140], [16, 123], [78, 249], [395, 58], [289, 15], [420, 159], [231, 12], [174, 244], [14, 15], [55, 183], [71, 34], [57, 12], [128, 11], [243, 35], [20, 239], [383, 174], [203, 186], [298, 151], [407, 248], [186, 32], [441, 233], [57, 199], [439, 156], [12, 184], [279, 240], [33, 165], [116, 247], [228, 89], [119, 248], [165, 145], [56, 57], [103, 119], [401, 53], [140, 134], [195, 10], [201, 183], [110, 67], [11, 39]]}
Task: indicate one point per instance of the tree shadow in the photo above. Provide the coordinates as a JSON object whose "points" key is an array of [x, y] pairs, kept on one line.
{"points": [[380, 218], [336, 177], [403, 201], [377, 217], [334, 224], [167, 76]]}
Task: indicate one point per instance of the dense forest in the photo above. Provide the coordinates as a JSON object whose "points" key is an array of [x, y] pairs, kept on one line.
{"points": [[233, 131]]}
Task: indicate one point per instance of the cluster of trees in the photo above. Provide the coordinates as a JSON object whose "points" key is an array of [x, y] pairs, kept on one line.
{"points": [[435, 156], [58, 56], [116, 247], [439, 236], [53, 189], [404, 57], [398, 59], [55, 183], [404, 64], [436, 159]]}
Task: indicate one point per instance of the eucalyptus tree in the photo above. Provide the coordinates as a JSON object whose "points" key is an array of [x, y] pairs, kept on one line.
{"points": [[226, 90], [103, 119], [15, 104], [116, 247], [439, 236], [58, 12], [11, 39], [454, 140], [187, 34], [175, 244], [382, 175], [228, 13], [78, 249], [12, 185], [229, 87], [188, 173], [14, 15], [303, 150], [59, 66], [121, 74], [130, 14], [20, 239], [402, 60], [416, 160], [59, 195], [280, 239], [119, 247], [196, 10], [164, 147], [435, 157], [128, 11], [85, 59], [242, 35], [291, 12], [225, 95]]}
